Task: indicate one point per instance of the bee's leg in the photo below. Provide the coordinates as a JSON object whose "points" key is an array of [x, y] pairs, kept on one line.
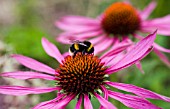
{"points": [[83, 52], [74, 54]]}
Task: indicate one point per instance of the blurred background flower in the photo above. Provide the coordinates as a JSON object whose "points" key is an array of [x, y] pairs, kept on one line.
{"points": [[23, 23], [119, 24]]}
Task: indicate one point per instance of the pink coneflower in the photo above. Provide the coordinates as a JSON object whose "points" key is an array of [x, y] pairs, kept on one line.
{"points": [[83, 76], [117, 25]]}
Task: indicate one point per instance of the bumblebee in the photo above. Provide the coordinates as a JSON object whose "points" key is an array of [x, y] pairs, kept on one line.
{"points": [[84, 47]]}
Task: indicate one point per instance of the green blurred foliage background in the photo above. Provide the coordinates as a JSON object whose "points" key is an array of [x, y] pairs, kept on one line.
{"points": [[24, 22]]}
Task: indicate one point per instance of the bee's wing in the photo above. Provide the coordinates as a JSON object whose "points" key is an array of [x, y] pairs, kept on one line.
{"points": [[81, 43], [75, 41]]}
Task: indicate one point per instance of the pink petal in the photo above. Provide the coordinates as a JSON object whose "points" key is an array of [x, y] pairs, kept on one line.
{"points": [[103, 45], [162, 24], [105, 95], [132, 101], [87, 34], [141, 49], [117, 49], [157, 50], [105, 92], [119, 58], [139, 66], [65, 38], [138, 91], [62, 103], [27, 75], [106, 104], [48, 104], [87, 102], [57, 103], [79, 20], [76, 27], [97, 39], [33, 64], [52, 50], [158, 47], [162, 57], [148, 10], [116, 53], [157, 21], [65, 54], [162, 30], [21, 90], [78, 104], [108, 61]]}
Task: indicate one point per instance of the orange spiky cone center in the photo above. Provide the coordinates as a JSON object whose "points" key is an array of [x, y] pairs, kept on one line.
{"points": [[120, 19], [81, 74]]}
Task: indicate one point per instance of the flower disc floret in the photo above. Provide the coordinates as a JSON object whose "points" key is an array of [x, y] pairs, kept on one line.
{"points": [[81, 74]]}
